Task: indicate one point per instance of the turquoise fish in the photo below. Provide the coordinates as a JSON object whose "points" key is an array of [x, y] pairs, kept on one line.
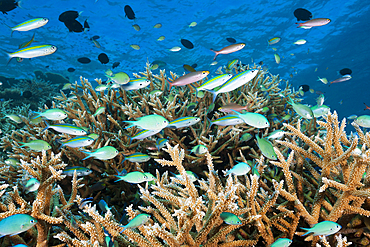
{"points": [[32, 185], [135, 177], [320, 110], [99, 111], [139, 220], [149, 122], [199, 149], [160, 143], [239, 169], [230, 218], [142, 134], [191, 175], [324, 228], [302, 110], [363, 121], [254, 119], [281, 242], [104, 153], [15, 224]]}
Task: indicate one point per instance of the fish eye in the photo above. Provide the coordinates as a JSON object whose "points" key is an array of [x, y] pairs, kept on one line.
{"points": [[32, 221]]}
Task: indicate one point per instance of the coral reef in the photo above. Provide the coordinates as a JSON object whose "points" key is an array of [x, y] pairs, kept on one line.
{"points": [[318, 174]]}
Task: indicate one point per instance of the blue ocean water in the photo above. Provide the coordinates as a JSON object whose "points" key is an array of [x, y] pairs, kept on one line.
{"points": [[340, 44]]}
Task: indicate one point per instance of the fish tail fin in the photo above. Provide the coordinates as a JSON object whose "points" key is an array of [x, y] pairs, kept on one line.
{"points": [[47, 126], [19, 4], [38, 114], [171, 85], [216, 54], [196, 89], [130, 138], [124, 228], [210, 122], [299, 24], [86, 157], [306, 229], [214, 95]]}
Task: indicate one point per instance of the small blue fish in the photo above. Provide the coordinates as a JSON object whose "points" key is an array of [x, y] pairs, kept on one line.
{"points": [[281, 242], [324, 228], [160, 143], [15, 224], [139, 220], [183, 122], [32, 185], [137, 157], [103, 206]]}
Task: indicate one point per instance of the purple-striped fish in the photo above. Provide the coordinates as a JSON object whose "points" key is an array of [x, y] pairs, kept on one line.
{"points": [[314, 23], [229, 49], [188, 78]]}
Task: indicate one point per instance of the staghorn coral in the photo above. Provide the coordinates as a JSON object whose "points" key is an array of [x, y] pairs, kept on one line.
{"points": [[270, 206]]}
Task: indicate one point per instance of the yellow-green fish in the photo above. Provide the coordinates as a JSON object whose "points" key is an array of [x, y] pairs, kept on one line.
{"points": [[302, 110], [33, 51], [14, 118], [266, 148], [118, 78], [274, 40], [12, 162], [139, 220], [231, 64], [104, 153], [277, 58], [193, 24], [323, 80], [28, 43], [80, 171], [30, 24], [15, 224], [191, 175], [199, 149], [67, 86], [161, 38], [93, 136], [36, 145], [136, 27], [98, 111], [135, 47], [137, 157], [158, 25]]}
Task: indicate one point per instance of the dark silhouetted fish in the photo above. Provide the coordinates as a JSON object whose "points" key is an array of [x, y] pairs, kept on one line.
{"points": [[27, 94], [345, 71], [188, 68], [160, 63], [194, 65], [129, 12], [95, 37], [115, 65], [74, 26], [71, 69], [305, 88], [103, 58], [187, 43], [231, 40], [86, 26], [68, 15], [302, 14], [260, 63], [84, 60], [8, 5]]}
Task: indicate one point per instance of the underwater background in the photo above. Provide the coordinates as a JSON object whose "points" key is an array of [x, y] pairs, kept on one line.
{"points": [[111, 141]]}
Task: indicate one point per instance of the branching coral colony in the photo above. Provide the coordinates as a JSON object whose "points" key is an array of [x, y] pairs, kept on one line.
{"points": [[319, 175]]}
